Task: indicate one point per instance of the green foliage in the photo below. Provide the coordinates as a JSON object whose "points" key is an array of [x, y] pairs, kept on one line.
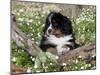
{"points": [[32, 24], [85, 27], [79, 64], [20, 57], [45, 62]]}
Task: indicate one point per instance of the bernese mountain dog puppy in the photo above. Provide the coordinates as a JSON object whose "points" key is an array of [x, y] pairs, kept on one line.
{"points": [[58, 33]]}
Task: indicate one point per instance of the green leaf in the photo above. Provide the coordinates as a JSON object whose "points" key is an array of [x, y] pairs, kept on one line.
{"points": [[51, 57], [42, 57], [37, 63]]}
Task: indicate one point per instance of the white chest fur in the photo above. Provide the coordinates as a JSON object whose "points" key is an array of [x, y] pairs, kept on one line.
{"points": [[60, 42]]}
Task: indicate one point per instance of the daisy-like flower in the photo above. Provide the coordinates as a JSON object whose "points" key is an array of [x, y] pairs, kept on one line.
{"points": [[37, 71], [21, 10], [76, 61], [14, 59], [33, 59], [64, 64], [29, 70], [20, 19], [57, 57], [79, 56], [51, 63], [37, 17], [82, 68], [35, 66], [39, 22]]}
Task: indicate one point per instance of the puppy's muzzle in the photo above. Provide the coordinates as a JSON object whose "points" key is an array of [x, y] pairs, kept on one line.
{"points": [[50, 31]]}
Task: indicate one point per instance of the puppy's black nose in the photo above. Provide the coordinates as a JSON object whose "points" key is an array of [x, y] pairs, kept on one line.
{"points": [[50, 30]]}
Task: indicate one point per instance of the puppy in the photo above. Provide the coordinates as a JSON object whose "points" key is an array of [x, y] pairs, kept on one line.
{"points": [[58, 33]]}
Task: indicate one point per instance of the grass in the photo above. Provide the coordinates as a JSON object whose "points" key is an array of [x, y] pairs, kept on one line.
{"points": [[32, 23]]}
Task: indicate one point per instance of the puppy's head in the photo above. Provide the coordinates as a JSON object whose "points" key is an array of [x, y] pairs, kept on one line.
{"points": [[57, 24]]}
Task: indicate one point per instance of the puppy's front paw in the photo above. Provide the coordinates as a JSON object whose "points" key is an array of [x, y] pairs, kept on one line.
{"points": [[62, 51]]}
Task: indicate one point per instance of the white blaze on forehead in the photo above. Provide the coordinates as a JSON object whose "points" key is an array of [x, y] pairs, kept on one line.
{"points": [[50, 26], [50, 17]]}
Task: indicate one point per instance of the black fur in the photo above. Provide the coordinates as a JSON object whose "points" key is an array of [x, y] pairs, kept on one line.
{"points": [[58, 21]]}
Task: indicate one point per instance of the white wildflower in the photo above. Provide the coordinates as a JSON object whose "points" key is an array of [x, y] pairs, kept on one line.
{"points": [[93, 56], [21, 38], [89, 65], [43, 64], [42, 15], [20, 19], [33, 39], [76, 61], [28, 23], [35, 66], [48, 11], [39, 22], [31, 28], [82, 68], [31, 34], [79, 56], [76, 67], [14, 59], [16, 35], [88, 9], [29, 70], [21, 10], [64, 64], [37, 71], [37, 17], [33, 59], [44, 12], [36, 24], [57, 57], [39, 35], [43, 25], [37, 43], [22, 50], [51, 63]]}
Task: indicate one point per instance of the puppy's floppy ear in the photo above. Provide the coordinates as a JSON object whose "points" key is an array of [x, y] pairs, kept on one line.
{"points": [[67, 26]]}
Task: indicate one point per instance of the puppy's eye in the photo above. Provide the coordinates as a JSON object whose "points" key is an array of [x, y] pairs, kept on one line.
{"points": [[55, 25]]}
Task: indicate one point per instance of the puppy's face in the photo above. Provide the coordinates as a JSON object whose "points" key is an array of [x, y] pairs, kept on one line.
{"points": [[58, 25]]}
